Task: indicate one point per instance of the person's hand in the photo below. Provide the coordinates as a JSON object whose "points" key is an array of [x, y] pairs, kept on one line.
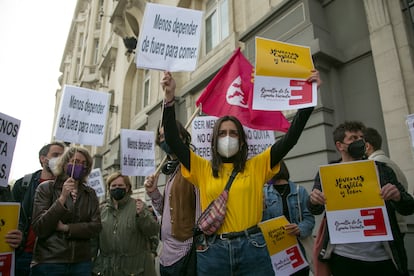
{"points": [[390, 192], [316, 197], [150, 183], [292, 229], [168, 84], [68, 187], [14, 238], [140, 205], [315, 77], [62, 227]]}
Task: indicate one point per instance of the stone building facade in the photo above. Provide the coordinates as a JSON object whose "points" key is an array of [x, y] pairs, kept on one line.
{"points": [[362, 48]]}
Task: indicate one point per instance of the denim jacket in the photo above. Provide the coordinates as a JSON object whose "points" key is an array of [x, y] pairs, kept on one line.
{"points": [[274, 207]]}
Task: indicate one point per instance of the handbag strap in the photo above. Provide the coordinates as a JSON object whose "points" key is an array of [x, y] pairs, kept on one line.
{"points": [[231, 178]]}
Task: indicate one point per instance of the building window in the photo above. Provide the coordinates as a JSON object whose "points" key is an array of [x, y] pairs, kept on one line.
{"points": [[96, 53], [410, 6], [217, 22], [80, 42], [146, 89]]}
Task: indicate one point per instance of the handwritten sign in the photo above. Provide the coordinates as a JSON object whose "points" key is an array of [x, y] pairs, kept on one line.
{"points": [[82, 116], [95, 181], [9, 128], [137, 152], [169, 38], [280, 76], [284, 251], [202, 131], [355, 211]]}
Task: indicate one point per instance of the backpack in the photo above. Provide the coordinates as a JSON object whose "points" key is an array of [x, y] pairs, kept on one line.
{"points": [[26, 181]]}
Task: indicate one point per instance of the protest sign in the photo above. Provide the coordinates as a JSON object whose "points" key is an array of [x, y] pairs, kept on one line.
{"points": [[169, 38], [284, 251], [95, 181], [280, 76], [137, 152], [9, 128], [7, 263], [355, 211], [202, 130], [82, 116], [9, 219]]}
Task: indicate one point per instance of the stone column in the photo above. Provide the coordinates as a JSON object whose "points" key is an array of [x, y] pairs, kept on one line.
{"points": [[390, 76]]}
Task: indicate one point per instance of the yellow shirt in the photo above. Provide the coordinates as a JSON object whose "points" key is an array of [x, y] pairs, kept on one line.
{"points": [[245, 202]]}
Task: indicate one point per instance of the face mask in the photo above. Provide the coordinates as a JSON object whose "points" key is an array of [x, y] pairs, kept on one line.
{"points": [[51, 164], [227, 146], [79, 171], [165, 148], [357, 149], [117, 193], [170, 167]]}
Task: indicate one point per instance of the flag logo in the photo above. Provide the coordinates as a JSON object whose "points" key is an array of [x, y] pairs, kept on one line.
{"points": [[235, 95]]}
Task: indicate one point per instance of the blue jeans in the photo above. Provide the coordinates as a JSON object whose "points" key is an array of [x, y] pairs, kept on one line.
{"points": [[63, 269], [245, 255]]}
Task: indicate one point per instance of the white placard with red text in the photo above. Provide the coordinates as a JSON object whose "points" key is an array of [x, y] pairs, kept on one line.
{"points": [[284, 251]]}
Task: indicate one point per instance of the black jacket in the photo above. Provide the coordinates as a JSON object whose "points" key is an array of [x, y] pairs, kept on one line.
{"points": [[25, 195]]}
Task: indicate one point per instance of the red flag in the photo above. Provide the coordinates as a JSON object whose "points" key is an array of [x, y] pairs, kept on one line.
{"points": [[230, 92]]}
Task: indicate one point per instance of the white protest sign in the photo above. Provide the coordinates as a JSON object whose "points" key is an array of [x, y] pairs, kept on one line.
{"points": [[9, 128], [96, 182], [137, 152], [169, 38], [202, 131], [82, 116]]}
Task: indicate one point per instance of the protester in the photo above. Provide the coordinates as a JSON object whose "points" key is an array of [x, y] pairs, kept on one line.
{"points": [[283, 197], [366, 258], [238, 247], [127, 226], [179, 206], [23, 192], [65, 218], [13, 237]]}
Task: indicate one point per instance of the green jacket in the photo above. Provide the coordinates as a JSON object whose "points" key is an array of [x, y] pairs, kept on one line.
{"points": [[124, 240]]}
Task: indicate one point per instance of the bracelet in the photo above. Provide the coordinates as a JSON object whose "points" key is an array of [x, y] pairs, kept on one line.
{"points": [[170, 103]]}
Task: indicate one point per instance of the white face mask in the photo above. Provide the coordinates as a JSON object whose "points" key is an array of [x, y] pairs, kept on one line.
{"points": [[227, 146], [52, 164]]}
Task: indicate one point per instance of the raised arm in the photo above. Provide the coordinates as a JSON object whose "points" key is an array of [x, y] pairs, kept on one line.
{"points": [[286, 143], [172, 136]]}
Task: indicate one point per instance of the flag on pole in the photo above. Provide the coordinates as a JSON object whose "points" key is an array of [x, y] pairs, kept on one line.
{"points": [[230, 92]]}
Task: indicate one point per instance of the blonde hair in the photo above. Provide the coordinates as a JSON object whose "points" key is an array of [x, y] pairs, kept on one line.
{"points": [[114, 176]]}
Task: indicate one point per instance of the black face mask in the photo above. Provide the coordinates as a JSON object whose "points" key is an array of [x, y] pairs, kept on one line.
{"points": [[169, 167], [118, 193], [166, 148], [357, 149]]}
